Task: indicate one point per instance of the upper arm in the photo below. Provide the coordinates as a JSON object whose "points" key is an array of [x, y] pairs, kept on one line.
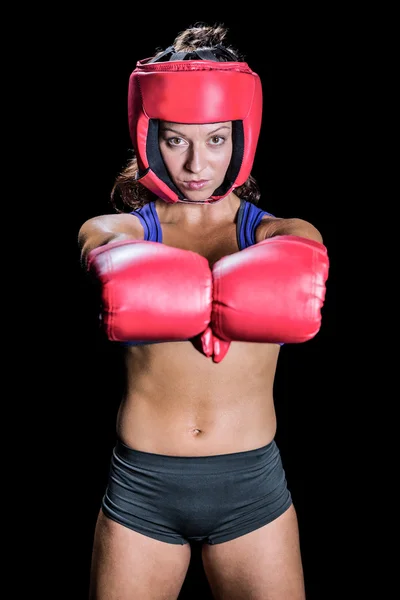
{"points": [[104, 229], [272, 226]]}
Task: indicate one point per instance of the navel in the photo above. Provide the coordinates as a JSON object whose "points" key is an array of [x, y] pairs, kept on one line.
{"points": [[195, 432]]}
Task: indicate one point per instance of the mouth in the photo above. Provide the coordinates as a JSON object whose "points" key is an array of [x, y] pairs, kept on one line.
{"points": [[196, 184]]}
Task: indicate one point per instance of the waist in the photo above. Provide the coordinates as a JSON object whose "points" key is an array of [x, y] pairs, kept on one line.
{"points": [[197, 426], [204, 464]]}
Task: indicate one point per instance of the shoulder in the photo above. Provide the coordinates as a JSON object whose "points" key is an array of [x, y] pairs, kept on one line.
{"points": [[103, 229], [272, 226]]}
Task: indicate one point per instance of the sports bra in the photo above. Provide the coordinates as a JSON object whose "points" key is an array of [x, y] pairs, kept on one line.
{"points": [[249, 217]]}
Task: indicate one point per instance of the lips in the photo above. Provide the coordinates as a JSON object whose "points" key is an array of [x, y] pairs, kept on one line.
{"points": [[196, 184]]}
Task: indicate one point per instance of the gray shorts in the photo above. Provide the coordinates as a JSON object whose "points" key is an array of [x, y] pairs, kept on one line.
{"points": [[179, 499]]}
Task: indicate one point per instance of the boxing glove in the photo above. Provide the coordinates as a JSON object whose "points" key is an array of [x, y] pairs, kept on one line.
{"points": [[150, 291], [211, 346], [271, 292]]}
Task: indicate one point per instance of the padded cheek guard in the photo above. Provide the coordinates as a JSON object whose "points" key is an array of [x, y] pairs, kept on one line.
{"points": [[193, 91]]}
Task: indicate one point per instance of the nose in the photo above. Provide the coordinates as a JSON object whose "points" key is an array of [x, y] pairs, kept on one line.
{"points": [[196, 160]]}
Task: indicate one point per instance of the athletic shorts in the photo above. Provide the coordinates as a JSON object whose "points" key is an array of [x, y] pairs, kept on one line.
{"points": [[179, 499]]}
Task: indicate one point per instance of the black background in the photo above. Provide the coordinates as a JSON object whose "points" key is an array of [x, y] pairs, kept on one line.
{"points": [[296, 169]]}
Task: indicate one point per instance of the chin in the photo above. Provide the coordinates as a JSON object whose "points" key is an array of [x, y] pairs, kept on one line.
{"points": [[200, 196]]}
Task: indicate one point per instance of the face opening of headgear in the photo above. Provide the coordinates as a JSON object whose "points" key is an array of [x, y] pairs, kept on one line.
{"points": [[202, 86]]}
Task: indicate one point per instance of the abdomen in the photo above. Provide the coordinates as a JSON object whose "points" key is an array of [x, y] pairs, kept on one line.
{"points": [[179, 402]]}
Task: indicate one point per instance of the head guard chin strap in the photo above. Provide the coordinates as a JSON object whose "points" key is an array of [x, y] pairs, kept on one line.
{"points": [[203, 86]]}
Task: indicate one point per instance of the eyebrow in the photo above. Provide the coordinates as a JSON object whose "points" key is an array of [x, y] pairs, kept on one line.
{"points": [[180, 133]]}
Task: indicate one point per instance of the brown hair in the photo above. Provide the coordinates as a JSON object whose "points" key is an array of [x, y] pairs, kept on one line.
{"points": [[129, 194]]}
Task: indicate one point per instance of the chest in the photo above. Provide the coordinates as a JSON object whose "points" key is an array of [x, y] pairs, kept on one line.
{"points": [[213, 244]]}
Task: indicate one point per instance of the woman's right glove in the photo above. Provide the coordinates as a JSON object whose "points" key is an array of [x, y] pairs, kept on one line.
{"points": [[271, 292]]}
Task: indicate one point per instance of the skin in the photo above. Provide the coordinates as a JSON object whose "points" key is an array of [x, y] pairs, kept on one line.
{"points": [[200, 408], [196, 152]]}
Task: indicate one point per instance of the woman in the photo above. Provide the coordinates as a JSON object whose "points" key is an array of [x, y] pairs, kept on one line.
{"points": [[201, 287]]}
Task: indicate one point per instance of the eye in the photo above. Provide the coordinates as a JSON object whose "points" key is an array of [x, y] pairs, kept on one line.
{"points": [[175, 141], [217, 140]]}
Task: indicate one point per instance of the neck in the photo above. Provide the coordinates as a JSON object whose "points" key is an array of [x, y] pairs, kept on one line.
{"points": [[202, 214]]}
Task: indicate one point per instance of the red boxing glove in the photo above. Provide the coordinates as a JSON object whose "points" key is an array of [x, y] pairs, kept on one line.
{"points": [[151, 291], [271, 292], [211, 346]]}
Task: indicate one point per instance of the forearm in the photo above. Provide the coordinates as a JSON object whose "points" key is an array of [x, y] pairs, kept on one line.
{"points": [[299, 227], [104, 230], [89, 244]]}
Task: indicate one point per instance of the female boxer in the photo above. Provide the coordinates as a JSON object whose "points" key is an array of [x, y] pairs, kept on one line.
{"points": [[201, 288]]}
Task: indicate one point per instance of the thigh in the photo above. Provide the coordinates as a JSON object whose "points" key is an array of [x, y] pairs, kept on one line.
{"points": [[127, 564], [262, 565]]}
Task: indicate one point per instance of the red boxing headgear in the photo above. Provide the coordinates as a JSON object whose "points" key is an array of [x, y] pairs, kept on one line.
{"points": [[193, 91]]}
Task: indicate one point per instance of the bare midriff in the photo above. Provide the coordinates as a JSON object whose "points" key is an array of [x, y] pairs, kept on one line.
{"points": [[178, 402]]}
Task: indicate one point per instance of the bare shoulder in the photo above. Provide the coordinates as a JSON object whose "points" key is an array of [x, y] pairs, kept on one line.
{"points": [[271, 226], [103, 229]]}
